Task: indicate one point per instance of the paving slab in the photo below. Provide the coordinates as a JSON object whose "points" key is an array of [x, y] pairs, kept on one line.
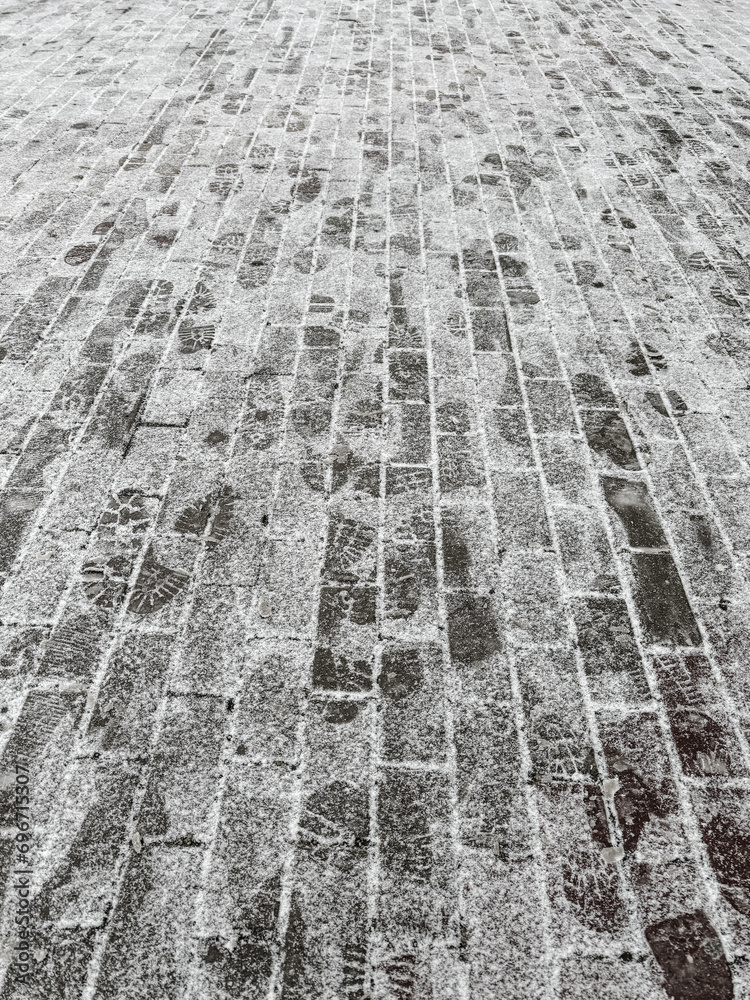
{"points": [[374, 470]]}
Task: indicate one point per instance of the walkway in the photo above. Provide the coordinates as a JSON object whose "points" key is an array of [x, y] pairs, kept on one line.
{"points": [[375, 528]]}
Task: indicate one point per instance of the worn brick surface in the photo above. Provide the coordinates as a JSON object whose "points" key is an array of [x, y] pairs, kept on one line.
{"points": [[374, 478]]}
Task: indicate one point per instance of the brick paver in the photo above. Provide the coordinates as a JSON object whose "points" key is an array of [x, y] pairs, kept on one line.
{"points": [[375, 522]]}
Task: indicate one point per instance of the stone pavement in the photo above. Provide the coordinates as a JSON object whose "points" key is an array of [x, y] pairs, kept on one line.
{"points": [[375, 543]]}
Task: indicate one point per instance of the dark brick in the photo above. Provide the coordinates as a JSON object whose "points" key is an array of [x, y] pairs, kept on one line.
{"points": [[663, 608], [632, 505], [691, 958]]}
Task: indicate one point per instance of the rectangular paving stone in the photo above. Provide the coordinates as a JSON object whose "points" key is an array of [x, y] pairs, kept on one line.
{"points": [[663, 608], [183, 770], [139, 927], [373, 453]]}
